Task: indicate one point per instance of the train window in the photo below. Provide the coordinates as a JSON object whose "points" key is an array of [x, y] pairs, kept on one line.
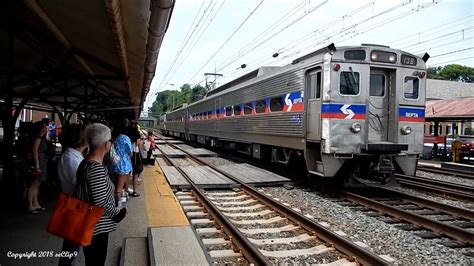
{"points": [[377, 85], [237, 109], [209, 114], [315, 84], [260, 106], [218, 112], [354, 55], [248, 108], [228, 111], [276, 104], [411, 88], [349, 83]]}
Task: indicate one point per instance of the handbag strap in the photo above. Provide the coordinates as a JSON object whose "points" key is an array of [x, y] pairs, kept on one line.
{"points": [[82, 181]]}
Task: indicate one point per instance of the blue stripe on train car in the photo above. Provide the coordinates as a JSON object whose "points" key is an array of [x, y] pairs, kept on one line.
{"points": [[411, 114], [343, 111]]}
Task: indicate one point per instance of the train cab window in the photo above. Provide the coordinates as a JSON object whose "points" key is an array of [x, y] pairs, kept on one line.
{"points": [[315, 84], [377, 85], [276, 104], [237, 109], [349, 83], [260, 106], [411, 88], [248, 108], [228, 111]]}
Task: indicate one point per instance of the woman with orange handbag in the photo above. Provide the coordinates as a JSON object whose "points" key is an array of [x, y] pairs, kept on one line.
{"points": [[94, 186], [74, 144]]}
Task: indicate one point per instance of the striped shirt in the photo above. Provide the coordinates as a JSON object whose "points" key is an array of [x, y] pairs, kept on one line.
{"points": [[94, 186]]}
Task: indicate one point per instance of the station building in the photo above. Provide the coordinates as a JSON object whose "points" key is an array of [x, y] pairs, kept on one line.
{"points": [[450, 106]]}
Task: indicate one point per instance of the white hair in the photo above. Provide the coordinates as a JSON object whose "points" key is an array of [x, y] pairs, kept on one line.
{"points": [[97, 134]]}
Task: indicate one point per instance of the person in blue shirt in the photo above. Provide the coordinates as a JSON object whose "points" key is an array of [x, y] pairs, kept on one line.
{"points": [[122, 144], [52, 131]]}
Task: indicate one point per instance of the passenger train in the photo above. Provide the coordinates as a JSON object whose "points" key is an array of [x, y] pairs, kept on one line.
{"points": [[354, 113]]}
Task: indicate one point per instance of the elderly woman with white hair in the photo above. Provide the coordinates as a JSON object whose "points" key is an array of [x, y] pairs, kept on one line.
{"points": [[95, 186]]}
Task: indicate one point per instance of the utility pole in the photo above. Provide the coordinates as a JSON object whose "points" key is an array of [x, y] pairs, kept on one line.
{"points": [[211, 85]]}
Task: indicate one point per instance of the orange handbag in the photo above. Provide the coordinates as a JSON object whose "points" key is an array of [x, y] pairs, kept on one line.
{"points": [[74, 220]]}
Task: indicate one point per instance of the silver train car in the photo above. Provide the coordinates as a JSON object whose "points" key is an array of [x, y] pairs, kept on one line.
{"points": [[354, 113]]}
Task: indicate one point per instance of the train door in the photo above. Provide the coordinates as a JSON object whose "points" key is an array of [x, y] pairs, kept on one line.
{"points": [[378, 106], [313, 104]]}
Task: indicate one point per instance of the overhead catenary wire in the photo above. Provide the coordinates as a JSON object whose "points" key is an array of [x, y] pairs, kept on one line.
{"points": [[242, 50], [468, 29], [426, 32], [453, 52], [450, 61], [358, 9], [197, 38], [227, 40], [346, 29], [183, 44]]}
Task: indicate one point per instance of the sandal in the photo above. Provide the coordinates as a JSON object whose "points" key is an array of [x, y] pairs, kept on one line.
{"points": [[40, 209], [32, 211], [134, 194]]}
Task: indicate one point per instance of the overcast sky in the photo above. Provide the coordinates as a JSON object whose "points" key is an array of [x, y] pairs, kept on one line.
{"points": [[217, 36]]}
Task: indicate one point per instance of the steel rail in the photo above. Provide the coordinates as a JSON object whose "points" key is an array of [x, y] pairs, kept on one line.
{"points": [[248, 250], [347, 247], [460, 212], [461, 235], [454, 173], [447, 188]]}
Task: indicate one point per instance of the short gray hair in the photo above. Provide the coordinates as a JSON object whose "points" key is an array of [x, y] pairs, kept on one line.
{"points": [[97, 134]]}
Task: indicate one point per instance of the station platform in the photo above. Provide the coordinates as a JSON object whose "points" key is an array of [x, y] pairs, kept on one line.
{"points": [[429, 163], [467, 168], [154, 232]]}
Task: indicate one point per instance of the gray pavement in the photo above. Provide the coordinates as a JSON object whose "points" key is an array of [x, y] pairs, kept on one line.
{"points": [[24, 234]]}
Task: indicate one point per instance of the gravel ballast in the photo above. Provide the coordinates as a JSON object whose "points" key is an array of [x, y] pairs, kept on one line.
{"points": [[382, 238]]}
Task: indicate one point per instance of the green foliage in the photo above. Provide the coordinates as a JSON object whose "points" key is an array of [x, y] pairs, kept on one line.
{"points": [[168, 100], [452, 72]]}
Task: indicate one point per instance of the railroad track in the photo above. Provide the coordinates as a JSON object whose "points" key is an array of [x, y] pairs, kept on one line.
{"points": [[458, 191], [246, 226], [429, 219], [453, 173]]}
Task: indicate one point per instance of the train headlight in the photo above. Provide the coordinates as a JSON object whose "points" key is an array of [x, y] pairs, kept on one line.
{"points": [[356, 127], [406, 130], [392, 58]]}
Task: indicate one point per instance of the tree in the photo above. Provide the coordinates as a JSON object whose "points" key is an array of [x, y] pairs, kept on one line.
{"points": [[452, 72], [168, 100]]}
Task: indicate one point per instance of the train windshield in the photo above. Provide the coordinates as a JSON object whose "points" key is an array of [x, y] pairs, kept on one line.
{"points": [[349, 83], [411, 88]]}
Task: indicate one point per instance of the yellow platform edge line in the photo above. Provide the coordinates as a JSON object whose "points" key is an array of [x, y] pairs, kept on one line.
{"points": [[162, 206]]}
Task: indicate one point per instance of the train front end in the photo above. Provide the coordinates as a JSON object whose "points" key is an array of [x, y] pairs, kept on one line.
{"points": [[372, 112]]}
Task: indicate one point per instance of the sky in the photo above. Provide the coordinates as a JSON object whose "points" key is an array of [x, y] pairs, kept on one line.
{"points": [[220, 36]]}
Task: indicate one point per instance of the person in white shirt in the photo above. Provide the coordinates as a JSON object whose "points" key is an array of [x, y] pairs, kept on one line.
{"points": [[74, 144]]}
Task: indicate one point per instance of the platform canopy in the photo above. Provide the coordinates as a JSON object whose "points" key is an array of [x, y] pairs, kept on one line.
{"points": [[89, 56], [450, 110]]}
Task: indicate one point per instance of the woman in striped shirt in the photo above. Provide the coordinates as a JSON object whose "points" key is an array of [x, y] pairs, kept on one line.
{"points": [[94, 186]]}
